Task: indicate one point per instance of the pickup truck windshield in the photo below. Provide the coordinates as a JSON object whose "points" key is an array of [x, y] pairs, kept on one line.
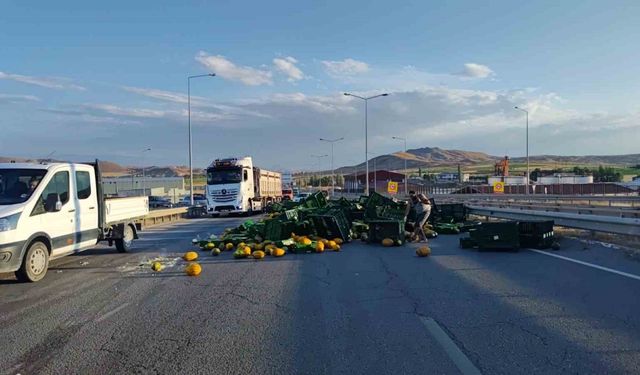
{"points": [[17, 185], [224, 176]]}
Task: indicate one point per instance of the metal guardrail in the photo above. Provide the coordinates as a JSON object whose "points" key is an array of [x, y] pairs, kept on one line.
{"points": [[163, 216], [627, 212], [591, 200], [598, 223]]}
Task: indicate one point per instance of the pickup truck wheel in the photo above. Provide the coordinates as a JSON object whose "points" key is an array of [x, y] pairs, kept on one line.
{"points": [[35, 263], [123, 244]]}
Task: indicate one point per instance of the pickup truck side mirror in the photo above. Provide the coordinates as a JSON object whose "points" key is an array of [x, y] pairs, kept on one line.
{"points": [[52, 203]]}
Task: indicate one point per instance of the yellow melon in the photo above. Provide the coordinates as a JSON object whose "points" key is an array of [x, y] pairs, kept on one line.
{"points": [[319, 247], [156, 266], [423, 251], [278, 252], [190, 255], [215, 252], [246, 250], [259, 246], [210, 245], [387, 242], [336, 248], [228, 246], [331, 244], [258, 254], [338, 241], [324, 241], [193, 269]]}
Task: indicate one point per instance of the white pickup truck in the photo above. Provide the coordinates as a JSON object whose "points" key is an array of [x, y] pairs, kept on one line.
{"points": [[48, 211]]}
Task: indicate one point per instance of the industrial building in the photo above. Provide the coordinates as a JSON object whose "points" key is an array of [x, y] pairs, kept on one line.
{"points": [[126, 186]]}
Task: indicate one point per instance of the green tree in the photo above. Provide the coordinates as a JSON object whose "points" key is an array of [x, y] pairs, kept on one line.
{"points": [[535, 174]]}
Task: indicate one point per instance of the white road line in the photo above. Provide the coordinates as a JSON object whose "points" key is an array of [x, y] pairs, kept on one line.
{"points": [[461, 361], [168, 231], [105, 316], [156, 239], [625, 274]]}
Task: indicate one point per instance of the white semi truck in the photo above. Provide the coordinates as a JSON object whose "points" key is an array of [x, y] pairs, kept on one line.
{"points": [[48, 211], [234, 185]]}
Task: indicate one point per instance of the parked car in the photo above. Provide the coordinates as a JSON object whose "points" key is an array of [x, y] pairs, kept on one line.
{"points": [[198, 200], [159, 202], [300, 196]]}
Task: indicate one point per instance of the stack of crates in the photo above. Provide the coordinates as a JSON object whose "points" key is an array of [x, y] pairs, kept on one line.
{"points": [[499, 235], [536, 234], [384, 217], [332, 223]]}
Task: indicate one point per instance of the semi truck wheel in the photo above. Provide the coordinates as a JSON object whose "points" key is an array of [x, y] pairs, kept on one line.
{"points": [[35, 263], [124, 244]]}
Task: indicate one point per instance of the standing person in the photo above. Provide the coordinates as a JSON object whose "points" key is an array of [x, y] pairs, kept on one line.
{"points": [[422, 206]]}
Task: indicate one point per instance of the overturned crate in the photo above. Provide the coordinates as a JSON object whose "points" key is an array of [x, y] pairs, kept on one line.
{"points": [[536, 234], [501, 235], [332, 223], [381, 229]]}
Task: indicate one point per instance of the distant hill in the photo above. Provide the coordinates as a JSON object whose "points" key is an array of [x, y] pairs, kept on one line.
{"points": [[621, 160], [109, 168], [429, 157]]}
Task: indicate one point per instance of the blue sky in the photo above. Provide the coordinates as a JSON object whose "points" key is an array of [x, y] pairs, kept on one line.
{"points": [[108, 79]]}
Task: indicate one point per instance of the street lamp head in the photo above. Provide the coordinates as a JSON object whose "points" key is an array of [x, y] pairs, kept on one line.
{"points": [[212, 74], [385, 94]]}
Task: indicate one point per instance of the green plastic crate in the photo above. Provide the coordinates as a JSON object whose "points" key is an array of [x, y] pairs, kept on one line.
{"points": [[381, 229], [500, 235], [536, 234], [331, 224]]}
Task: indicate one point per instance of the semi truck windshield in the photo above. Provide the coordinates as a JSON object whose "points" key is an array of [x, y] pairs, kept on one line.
{"points": [[224, 176]]}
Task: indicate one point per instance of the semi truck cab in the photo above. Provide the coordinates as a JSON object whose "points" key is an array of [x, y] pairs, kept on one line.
{"points": [[230, 186]]}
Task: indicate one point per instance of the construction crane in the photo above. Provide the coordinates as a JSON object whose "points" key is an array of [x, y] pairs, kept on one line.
{"points": [[501, 168]]}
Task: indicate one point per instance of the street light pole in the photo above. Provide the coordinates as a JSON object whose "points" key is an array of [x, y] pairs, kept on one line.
{"points": [[406, 175], [144, 180], [366, 131], [333, 173], [319, 157], [527, 140], [189, 115]]}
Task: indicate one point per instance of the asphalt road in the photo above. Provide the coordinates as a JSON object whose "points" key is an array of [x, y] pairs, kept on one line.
{"points": [[364, 310]]}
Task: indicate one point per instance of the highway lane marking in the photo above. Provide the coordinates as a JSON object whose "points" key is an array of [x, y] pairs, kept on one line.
{"points": [[167, 231], [456, 355], [105, 316], [156, 239], [625, 274]]}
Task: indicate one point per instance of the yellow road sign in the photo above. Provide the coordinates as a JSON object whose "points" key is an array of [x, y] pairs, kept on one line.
{"points": [[392, 187], [498, 187]]}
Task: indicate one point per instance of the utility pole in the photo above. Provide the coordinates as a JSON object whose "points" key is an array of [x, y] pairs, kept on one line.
{"points": [[189, 116], [366, 132], [527, 141], [333, 173], [406, 173]]}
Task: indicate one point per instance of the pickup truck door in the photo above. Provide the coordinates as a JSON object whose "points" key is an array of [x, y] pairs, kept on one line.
{"points": [[57, 224], [86, 202]]}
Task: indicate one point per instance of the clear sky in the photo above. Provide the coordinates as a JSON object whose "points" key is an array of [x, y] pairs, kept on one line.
{"points": [[107, 79]]}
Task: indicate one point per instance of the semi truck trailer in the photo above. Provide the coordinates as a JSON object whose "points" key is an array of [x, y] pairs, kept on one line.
{"points": [[235, 185]]}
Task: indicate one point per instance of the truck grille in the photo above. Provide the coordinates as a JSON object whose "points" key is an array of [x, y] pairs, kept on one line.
{"points": [[224, 195]]}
